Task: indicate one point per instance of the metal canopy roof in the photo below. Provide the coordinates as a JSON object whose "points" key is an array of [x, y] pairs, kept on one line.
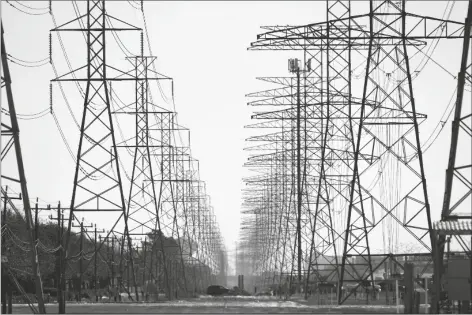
{"points": [[462, 227]]}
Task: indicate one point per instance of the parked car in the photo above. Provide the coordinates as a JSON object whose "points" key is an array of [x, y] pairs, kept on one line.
{"points": [[217, 290], [366, 285]]}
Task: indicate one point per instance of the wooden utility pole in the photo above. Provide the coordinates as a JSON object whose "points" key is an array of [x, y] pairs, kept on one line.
{"points": [[150, 264], [60, 254], [95, 284], [59, 257], [36, 222], [157, 272], [108, 252], [127, 271], [136, 273], [100, 242], [111, 258], [62, 264], [95, 267], [60, 278], [144, 270], [81, 249], [127, 275], [122, 268], [113, 261], [132, 267], [122, 251]]}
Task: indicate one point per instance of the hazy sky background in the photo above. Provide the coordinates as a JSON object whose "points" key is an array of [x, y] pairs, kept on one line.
{"points": [[203, 46]]}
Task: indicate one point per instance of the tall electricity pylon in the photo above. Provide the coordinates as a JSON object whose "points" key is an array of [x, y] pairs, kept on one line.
{"points": [[379, 126], [169, 202], [142, 209], [95, 190], [11, 131], [280, 199], [458, 188], [334, 68]]}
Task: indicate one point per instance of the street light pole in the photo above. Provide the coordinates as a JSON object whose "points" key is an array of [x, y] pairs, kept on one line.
{"points": [[294, 67]]}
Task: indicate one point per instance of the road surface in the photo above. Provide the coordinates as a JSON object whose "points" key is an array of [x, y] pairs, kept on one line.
{"points": [[214, 305]]}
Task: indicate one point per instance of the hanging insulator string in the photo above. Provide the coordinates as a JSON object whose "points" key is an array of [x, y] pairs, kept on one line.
{"points": [[142, 44], [50, 48], [50, 97]]}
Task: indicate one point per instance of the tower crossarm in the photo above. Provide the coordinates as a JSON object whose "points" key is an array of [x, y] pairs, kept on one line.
{"points": [[314, 36]]}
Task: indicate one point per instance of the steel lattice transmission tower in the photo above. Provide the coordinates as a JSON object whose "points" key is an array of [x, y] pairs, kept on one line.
{"points": [[281, 197], [170, 198], [397, 137], [458, 187], [143, 209], [97, 184], [10, 132], [378, 125]]}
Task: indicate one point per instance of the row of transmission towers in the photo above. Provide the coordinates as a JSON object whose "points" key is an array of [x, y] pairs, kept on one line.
{"points": [[340, 173], [166, 212]]}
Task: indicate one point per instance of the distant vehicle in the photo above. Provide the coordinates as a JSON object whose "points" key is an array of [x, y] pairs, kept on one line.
{"points": [[217, 290], [365, 284], [327, 286]]}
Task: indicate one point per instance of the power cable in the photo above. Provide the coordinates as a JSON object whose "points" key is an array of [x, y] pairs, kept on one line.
{"points": [[133, 5], [441, 124], [27, 66], [56, 121], [65, 97], [67, 57], [25, 61], [31, 8], [25, 11], [37, 115]]}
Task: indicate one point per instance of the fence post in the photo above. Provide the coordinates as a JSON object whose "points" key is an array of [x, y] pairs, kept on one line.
{"points": [[396, 296], [426, 302]]}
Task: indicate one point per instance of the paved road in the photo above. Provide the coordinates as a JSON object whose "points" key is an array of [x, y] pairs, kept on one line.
{"points": [[209, 305]]}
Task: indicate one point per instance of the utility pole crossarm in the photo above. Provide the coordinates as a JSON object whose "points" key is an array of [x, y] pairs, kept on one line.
{"points": [[123, 26]]}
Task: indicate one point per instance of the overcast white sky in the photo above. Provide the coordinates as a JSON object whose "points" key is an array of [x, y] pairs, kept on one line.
{"points": [[203, 46]]}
